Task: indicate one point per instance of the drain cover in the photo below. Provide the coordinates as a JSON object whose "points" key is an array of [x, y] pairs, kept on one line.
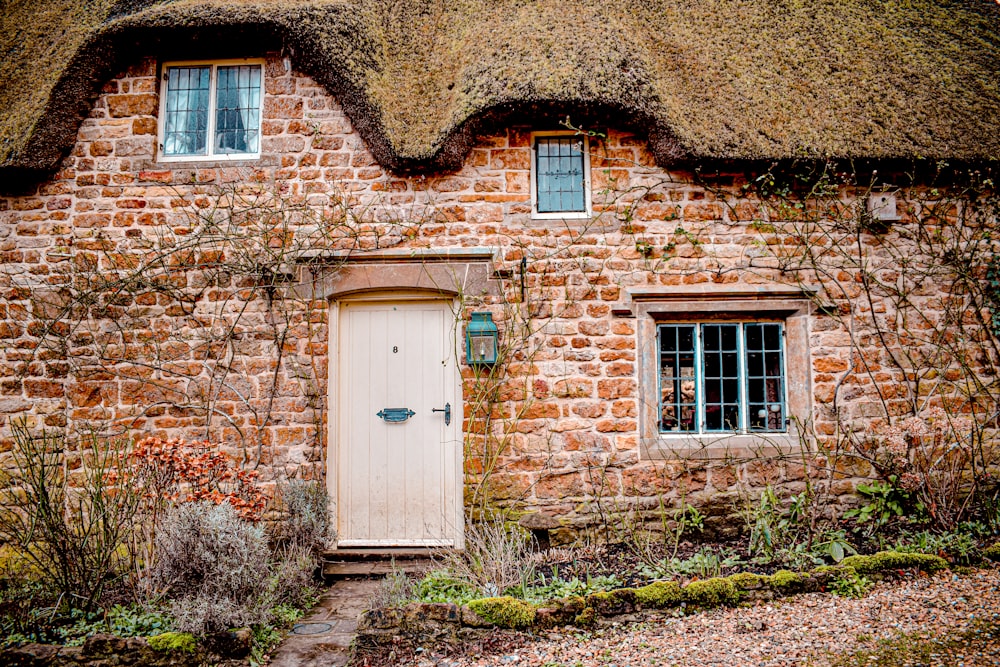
{"points": [[310, 628]]}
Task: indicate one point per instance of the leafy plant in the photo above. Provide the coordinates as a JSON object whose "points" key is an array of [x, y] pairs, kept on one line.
{"points": [[886, 502], [121, 621], [851, 585], [705, 564], [556, 587], [443, 586]]}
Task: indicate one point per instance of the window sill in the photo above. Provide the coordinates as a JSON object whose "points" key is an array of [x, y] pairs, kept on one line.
{"points": [[561, 215], [742, 446], [203, 159]]}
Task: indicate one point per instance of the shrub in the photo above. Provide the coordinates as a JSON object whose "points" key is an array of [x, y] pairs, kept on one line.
{"points": [[305, 516], [72, 529], [394, 591], [214, 566], [497, 558]]}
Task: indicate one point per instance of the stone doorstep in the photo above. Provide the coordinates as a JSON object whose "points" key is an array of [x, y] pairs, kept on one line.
{"points": [[368, 564]]}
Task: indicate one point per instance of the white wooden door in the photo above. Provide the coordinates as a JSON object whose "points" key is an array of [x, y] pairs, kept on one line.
{"points": [[398, 481]]}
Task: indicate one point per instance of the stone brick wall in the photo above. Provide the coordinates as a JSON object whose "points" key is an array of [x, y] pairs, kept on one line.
{"points": [[564, 434]]}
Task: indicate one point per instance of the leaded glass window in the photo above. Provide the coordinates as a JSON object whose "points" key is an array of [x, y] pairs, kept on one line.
{"points": [[721, 377], [560, 176], [211, 110]]}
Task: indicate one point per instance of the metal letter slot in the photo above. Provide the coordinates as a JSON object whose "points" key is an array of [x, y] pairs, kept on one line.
{"points": [[395, 415], [447, 413]]}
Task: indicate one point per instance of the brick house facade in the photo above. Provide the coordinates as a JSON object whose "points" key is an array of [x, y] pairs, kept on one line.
{"points": [[578, 421]]}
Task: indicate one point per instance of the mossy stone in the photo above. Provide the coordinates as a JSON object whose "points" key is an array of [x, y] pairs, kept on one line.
{"points": [[585, 617], [894, 560], [785, 581], [659, 594], [747, 581], [992, 552], [711, 593], [183, 642], [504, 612], [611, 603]]}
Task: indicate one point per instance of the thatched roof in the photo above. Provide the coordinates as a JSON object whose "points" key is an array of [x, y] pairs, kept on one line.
{"points": [[730, 79]]}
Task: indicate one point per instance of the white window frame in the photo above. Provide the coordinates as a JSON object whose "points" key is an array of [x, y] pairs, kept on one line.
{"points": [[213, 78], [709, 303], [743, 401], [560, 215]]}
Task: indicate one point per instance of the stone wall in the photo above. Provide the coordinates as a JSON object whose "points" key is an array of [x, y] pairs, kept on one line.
{"points": [[219, 347]]}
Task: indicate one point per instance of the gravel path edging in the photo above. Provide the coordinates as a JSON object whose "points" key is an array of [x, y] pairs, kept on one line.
{"points": [[429, 623]]}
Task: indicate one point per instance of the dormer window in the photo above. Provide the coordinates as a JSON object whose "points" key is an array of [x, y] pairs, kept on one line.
{"points": [[560, 174], [210, 111]]}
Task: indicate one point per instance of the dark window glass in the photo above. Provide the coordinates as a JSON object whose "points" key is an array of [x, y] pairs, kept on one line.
{"points": [[718, 377]]}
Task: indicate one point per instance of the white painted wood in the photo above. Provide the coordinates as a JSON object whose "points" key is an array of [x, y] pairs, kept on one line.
{"points": [[397, 484]]}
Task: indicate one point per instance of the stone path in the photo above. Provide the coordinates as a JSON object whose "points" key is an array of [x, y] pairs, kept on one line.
{"points": [[323, 637]]}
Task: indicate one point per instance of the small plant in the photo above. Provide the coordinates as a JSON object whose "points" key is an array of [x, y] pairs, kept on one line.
{"points": [[131, 621], [556, 587], [705, 563], [395, 590], [851, 585], [886, 503], [443, 586], [775, 528]]}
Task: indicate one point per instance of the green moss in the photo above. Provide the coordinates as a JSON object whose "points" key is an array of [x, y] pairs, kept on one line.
{"points": [[894, 560], [711, 593], [504, 612], [585, 617], [992, 552], [659, 594], [785, 581], [747, 581], [172, 641]]}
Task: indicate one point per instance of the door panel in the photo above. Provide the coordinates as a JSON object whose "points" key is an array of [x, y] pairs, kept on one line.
{"points": [[397, 482]]}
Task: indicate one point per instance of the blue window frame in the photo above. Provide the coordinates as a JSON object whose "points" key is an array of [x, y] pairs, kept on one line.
{"points": [[721, 377], [560, 174], [211, 110]]}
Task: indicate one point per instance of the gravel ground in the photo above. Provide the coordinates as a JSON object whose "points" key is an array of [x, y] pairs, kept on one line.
{"points": [[961, 611]]}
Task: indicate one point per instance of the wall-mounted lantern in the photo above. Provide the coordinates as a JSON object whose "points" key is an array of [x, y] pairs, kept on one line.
{"points": [[481, 336]]}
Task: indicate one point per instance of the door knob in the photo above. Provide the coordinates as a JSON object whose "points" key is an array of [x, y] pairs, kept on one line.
{"points": [[447, 413]]}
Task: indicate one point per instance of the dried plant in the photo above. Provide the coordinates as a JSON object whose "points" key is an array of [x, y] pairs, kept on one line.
{"points": [[73, 528], [214, 568], [497, 557]]}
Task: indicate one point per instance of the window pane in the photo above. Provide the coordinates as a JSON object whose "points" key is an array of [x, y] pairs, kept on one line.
{"points": [[237, 112], [186, 111], [765, 377], [720, 344], [678, 393], [559, 176]]}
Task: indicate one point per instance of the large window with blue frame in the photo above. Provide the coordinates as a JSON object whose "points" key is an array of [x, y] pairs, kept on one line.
{"points": [[717, 377]]}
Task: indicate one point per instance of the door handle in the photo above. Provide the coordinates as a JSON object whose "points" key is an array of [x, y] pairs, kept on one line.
{"points": [[447, 413]]}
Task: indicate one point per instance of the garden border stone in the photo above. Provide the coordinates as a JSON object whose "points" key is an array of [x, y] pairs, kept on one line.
{"points": [[424, 623]]}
